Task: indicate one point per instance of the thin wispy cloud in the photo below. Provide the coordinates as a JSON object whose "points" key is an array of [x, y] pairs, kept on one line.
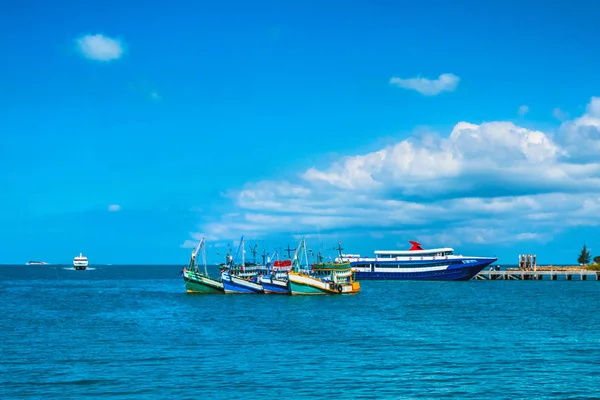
{"points": [[145, 89], [428, 87], [99, 47], [559, 114], [523, 110], [114, 207]]}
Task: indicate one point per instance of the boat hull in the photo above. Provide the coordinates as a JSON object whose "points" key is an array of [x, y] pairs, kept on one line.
{"points": [[235, 285], [452, 272], [274, 286], [201, 284], [301, 284], [80, 267]]}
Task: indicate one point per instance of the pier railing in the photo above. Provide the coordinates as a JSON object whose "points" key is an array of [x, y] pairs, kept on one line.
{"points": [[564, 274]]}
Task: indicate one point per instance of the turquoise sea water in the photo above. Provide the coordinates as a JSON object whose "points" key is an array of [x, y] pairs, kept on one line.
{"points": [[131, 332]]}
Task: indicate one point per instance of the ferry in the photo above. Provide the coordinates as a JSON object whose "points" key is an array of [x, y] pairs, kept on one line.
{"points": [[416, 264], [36, 263], [80, 261]]}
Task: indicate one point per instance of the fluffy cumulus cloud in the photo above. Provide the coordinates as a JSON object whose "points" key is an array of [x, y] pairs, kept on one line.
{"points": [[428, 87], [492, 182], [99, 47]]}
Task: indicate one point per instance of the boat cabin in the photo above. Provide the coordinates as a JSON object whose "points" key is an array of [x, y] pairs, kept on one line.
{"points": [[408, 253]]}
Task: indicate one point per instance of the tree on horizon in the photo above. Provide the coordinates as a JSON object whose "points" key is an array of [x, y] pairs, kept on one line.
{"points": [[584, 256], [597, 260]]}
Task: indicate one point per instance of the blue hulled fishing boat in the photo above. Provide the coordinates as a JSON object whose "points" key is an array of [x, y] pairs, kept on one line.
{"points": [[241, 278], [276, 279]]}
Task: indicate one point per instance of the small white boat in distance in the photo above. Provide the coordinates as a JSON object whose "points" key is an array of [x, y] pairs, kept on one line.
{"points": [[80, 262], [36, 263]]}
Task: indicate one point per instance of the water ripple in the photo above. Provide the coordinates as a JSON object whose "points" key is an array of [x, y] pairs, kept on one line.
{"points": [[75, 336]]}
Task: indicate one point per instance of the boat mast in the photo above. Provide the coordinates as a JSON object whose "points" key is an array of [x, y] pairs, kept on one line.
{"points": [[243, 251], [240, 246], [289, 251], [320, 257], [195, 255], [305, 253], [204, 257], [298, 254], [254, 252], [339, 249], [269, 263], [264, 256]]}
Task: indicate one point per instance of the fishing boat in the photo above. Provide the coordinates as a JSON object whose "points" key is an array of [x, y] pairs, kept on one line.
{"points": [[416, 263], [322, 277], [197, 282], [276, 280], [242, 279]]}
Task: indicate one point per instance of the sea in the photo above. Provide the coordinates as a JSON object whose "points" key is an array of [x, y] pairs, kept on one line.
{"points": [[132, 332]]}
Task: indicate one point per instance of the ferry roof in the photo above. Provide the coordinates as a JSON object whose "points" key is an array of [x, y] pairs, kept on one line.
{"points": [[407, 252]]}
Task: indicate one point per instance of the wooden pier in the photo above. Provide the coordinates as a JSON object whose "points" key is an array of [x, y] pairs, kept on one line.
{"points": [[571, 275], [528, 270]]}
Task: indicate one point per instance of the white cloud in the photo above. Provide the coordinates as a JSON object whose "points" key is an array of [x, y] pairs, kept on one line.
{"points": [[100, 47], [428, 87], [523, 110], [114, 207], [492, 182], [581, 135]]}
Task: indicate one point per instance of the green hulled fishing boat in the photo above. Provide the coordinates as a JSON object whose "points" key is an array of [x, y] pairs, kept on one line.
{"points": [[195, 280], [322, 278]]}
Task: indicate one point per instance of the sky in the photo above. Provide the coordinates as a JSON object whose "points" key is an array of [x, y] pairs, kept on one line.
{"points": [[130, 130]]}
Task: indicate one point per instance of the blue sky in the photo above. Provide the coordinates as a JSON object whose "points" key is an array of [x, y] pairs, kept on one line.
{"points": [[131, 129]]}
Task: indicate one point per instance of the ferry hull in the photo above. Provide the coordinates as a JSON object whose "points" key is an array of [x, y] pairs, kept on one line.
{"points": [[274, 286], [235, 285], [80, 267], [458, 272], [307, 285], [201, 284]]}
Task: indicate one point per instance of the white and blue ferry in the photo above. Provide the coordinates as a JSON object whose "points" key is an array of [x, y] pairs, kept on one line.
{"points": [[416, 264]]}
